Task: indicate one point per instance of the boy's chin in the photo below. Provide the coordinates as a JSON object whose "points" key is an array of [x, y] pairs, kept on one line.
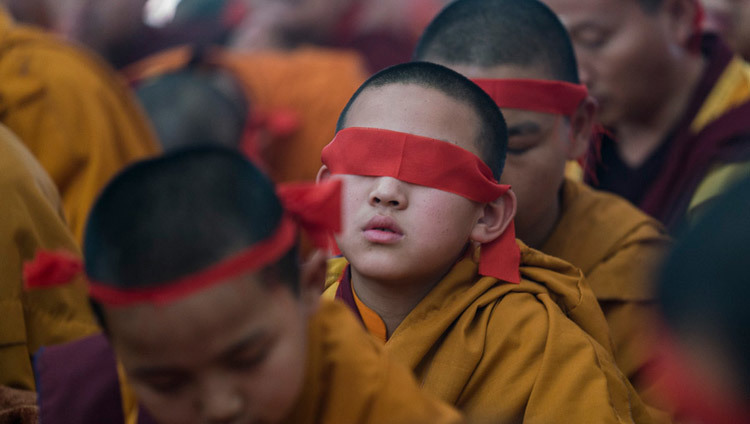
{"points": [[381, 270]]}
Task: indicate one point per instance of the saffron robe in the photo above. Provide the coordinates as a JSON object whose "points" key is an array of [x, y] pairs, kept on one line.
{"points": [[311, 84], [349, 379], [31, 220], [72, 111], [532, 352], [619, 249], [704, 148]]}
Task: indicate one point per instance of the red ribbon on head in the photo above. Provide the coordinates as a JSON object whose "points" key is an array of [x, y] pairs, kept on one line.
{"points": [[431, 163], [557, 97], [314, 207]]}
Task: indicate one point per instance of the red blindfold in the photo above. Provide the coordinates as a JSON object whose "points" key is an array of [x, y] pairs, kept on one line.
{"points": [[556, 97], [430, 163], [315, 208]]}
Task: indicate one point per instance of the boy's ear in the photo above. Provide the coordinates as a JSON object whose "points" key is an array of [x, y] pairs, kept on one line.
{"points": [[581, 128], [312, 280], [495, 218], [323, 174]]}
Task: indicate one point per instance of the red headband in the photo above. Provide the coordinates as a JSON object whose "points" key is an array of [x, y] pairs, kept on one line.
{"points": [[557, 97], [431, 163], [316, 208]]}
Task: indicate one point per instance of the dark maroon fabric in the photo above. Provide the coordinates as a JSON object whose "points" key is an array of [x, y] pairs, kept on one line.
{"points": [[345, 293], [690, 156], [77, 383]]}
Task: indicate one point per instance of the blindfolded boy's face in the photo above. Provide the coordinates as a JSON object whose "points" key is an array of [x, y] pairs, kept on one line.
{"points": [[233, 353], [394, 230]]}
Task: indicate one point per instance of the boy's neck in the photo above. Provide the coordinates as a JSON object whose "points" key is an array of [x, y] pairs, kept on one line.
{"points": [[638, 137], [393, 300]]}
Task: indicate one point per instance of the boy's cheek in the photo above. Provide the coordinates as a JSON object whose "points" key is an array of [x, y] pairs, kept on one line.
{"points": [[166, 409]]}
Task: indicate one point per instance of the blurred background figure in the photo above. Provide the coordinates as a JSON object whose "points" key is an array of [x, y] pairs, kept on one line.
{"points": [[72, 111], [195, 105], [286, 106], [704, 292], [123, 31], [730, 19], [384, 31]]}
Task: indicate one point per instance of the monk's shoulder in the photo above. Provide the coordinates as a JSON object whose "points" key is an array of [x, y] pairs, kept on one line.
{"points": [[595, 225]]}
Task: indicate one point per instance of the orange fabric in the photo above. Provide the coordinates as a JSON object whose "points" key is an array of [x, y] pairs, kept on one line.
{"points": [[351, 379], [371, 319], [32, 220], [619, 249], [72, 112], [313, 83], [532, 352]]}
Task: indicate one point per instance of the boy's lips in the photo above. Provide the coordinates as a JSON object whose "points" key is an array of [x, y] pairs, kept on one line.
{"points": [[382, 230]]}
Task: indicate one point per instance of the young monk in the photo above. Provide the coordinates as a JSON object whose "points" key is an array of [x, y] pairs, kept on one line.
{"points": [[676, 102], [505, 333], [72, 112], [520, 53], [191, 261], [32, 220]]}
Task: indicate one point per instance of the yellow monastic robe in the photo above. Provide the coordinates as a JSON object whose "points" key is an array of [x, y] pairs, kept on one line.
{"points": [[619, 249], [31, 220], [313, 84], [504, 352], [351, 379], [72, 111]]}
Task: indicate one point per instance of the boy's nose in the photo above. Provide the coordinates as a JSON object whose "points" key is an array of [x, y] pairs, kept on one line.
{"points": [[388, 192], [222, 403]]}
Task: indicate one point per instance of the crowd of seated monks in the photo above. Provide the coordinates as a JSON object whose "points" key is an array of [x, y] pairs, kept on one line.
{"points": [[359, 211]]}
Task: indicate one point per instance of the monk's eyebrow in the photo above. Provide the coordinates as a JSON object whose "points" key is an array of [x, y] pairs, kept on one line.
{"points": [[524, 128], [244, 344]]}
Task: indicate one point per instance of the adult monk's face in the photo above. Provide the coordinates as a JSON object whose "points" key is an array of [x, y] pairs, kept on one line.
{"points": [[232, 353], [539, 145], [623, 52]]}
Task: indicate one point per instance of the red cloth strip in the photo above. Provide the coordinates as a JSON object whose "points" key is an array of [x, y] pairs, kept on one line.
{"points": [[413, 159], [557, 97], [431, 163], [51, 269], [256, 257], [316, 207]]}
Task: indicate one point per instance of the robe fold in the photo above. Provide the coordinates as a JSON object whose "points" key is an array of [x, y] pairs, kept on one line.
{"points": [[349, 379], [311, 84], [534, 352], [72, 111], [619, 249], [31, 220]]}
